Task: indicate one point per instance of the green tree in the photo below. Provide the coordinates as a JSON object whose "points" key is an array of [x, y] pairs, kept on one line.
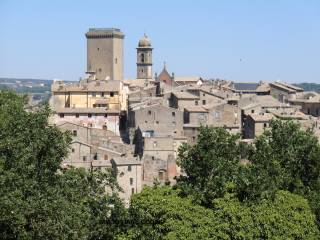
{"points": [[211, 166], [160, 213], [285, 157], [39, 200]]}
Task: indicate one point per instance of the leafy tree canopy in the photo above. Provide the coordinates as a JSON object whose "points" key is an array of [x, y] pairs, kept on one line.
{"points": [[39, 200], [160, 213]]}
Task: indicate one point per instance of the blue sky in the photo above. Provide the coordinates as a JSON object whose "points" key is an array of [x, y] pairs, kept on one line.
{"points": [[236, 40]]}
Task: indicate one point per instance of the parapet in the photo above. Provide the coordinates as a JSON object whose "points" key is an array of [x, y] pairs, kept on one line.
{"points": [[104, 33]]}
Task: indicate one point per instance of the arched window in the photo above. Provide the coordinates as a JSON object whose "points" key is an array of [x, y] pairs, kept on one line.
{"points": [[142, 57]]}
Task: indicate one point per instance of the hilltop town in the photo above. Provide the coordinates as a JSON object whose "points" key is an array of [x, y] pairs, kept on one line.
{"points": [[137, 125]]}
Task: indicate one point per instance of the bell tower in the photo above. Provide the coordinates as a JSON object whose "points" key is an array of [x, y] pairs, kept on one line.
{"points": [[144, 58]]}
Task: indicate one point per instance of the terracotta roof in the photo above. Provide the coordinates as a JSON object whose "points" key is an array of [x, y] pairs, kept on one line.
{"points": [[187, 79], [282, 86], [85, 110], [289, 114], [101, 163], [124, 161], [314, 99], [109, 150], [196, 109], [262, 117], [251, 105], [91, 86], [185, 95]]}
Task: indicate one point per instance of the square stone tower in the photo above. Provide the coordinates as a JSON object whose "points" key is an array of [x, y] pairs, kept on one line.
{"points": [[105, 53]]}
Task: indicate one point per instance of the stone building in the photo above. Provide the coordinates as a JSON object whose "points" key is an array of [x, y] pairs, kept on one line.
{"points": [[165, 78], [188, 80], [87, 134], [256, 123], [105, 53], [183, 99], [156, 119], [159, 159], [144, 58], [217, 115], [129, 176], [309, 104], [284, 92], [91, 103], [260, 88]]}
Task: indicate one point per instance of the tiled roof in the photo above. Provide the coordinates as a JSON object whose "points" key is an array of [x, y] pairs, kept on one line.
{"points": [[85, 110], [185, 95], [196, 109], [124, 161], [91, 86], [187, 79], [261, 117], [245, 86]]}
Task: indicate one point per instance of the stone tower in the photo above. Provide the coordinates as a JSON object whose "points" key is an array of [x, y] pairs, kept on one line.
{"points": [[105, 53], [144, 58]]}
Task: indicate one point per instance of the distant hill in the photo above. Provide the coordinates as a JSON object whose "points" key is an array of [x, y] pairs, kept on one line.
{"points": [[26, 85], [309, 86]]}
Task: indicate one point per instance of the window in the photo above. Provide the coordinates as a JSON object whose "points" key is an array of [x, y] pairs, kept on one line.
{"points": [[142, 57], [77, 115], [102, 94], [111, 94], [149, 112], [131, 181], [155, 143], [203, 94], [161, 175], [173, 114], [193, 139], [152, 157], [105, 157], [216, 115], [265, 125], [84, 158], [105, 115], [75, 133], [203, 102], [157, 122], [95, 156], [116, 60], [129, 168], [94, 94], [98, 49], [72, 150], [196, 103], [89, 115], [61, 115], [252, 111], [132, 190]]}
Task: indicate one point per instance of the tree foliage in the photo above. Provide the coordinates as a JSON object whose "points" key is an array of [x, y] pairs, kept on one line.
{"points": [[212, 165], [39, 200], [160, 213]]}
